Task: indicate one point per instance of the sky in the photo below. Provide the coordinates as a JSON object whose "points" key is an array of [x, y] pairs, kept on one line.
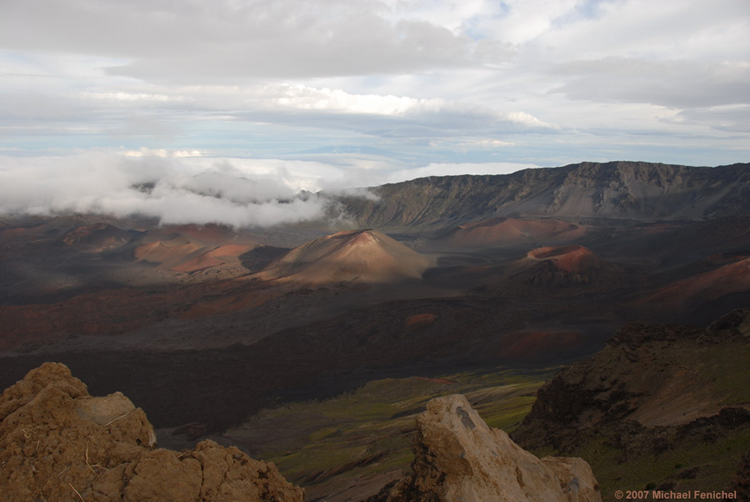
{"points": [[255, 100]]}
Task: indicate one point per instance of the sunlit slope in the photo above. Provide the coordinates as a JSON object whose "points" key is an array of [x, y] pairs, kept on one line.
{"points": [[364, 256], [501, 231]]}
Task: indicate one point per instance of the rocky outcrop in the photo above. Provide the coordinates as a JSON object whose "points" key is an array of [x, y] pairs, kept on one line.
{"points": [[58, 443], [460, 458], [653, 394], [655, 375]]}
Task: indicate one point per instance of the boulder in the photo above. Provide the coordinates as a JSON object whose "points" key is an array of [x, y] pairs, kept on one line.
{"points": [[58, 443], [460, 458]]}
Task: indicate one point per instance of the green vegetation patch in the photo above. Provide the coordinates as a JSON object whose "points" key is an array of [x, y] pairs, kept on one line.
{"points": [[706, 465], [369, 431]]}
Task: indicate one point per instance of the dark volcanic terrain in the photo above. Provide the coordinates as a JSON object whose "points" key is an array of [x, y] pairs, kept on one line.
{"points": [[206, 326]]}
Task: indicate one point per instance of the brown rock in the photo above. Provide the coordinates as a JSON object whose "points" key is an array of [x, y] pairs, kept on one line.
{"points": [[460, 458], [58, 443]]}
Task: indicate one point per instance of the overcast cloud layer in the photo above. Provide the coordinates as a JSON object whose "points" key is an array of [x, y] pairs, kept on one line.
{"points": [[289, 94]]}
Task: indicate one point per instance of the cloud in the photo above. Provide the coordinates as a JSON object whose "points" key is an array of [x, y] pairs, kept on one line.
{"points": [[212, 41], [131, 97], [485, 143], [446, 169], [734, 118], [165, 188], [522, 20], [238, 192], [363, 193], [375, 114], [153, 113], [678, 84], [302, 97], [427, 81], [162, 152], [640, 29], [385, 116]]}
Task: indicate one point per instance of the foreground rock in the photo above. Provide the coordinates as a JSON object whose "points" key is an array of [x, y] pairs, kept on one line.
{"points": [[58, 443], [460, 458]]}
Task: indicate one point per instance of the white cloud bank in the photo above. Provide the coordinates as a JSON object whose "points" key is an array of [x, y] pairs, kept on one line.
{"points": [[179, 189], [166, 188]]}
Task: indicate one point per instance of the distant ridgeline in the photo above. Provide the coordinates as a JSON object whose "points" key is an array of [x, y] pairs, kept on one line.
{"points": [[613, 190]]}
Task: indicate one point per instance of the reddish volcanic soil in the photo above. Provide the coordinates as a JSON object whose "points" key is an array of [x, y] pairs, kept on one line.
{"points": [[213, 257], [189, 248], [207, 234], [575, 259], [11, 233], [705, 287], [100, 235], [182, 254], [229, 302], [417, 321], [108, 312], [499, 231], [167, 252]]}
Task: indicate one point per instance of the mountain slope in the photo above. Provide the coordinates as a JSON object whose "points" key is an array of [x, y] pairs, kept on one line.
{"points": [[680, 296], [501, 231], [621, 190], [665, 406]]}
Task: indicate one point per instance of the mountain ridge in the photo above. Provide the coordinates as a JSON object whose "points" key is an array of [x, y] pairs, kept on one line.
{"points": [[611, 190]]}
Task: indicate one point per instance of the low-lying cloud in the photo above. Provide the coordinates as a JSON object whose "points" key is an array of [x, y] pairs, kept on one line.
{"points": [[179, 187], [169, 189]]}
